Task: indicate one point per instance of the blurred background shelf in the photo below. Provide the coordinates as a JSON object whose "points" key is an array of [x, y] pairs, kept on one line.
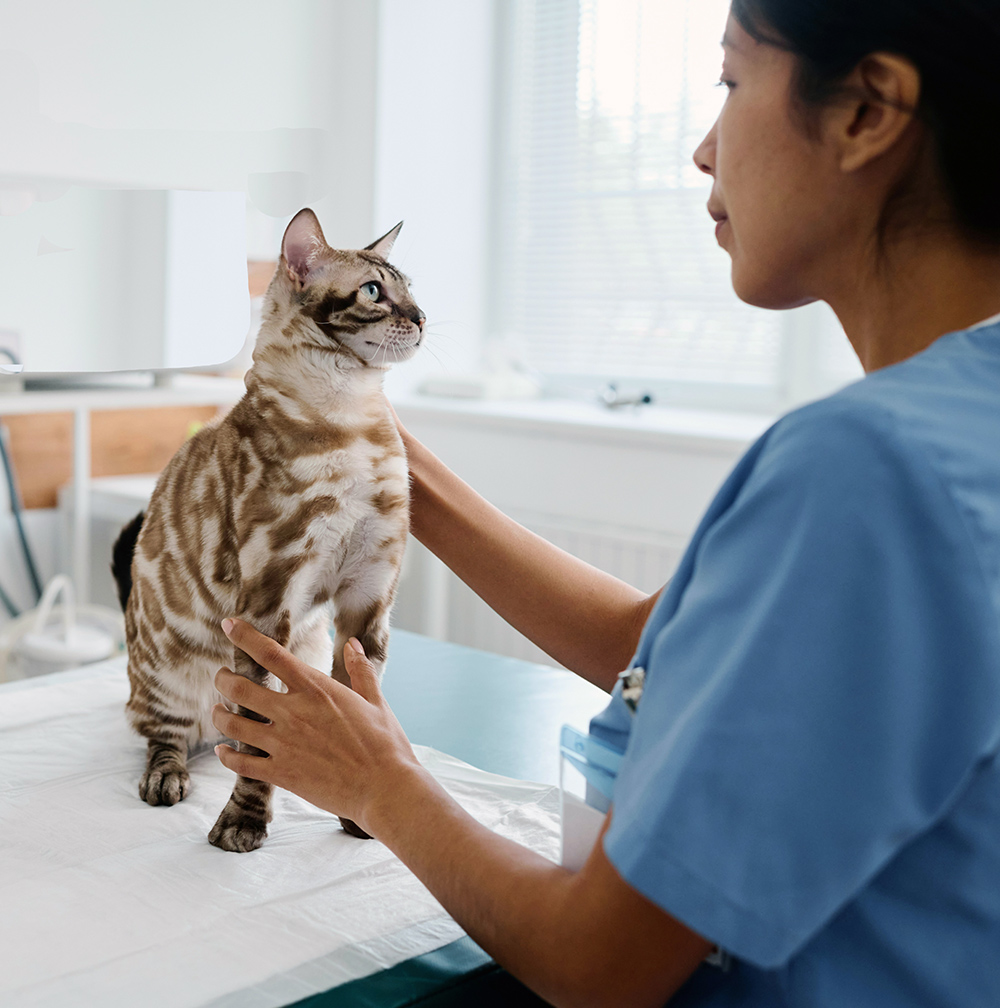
{"points": [[126, 425]]}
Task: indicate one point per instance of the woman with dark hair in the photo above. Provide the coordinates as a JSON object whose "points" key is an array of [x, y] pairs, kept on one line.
{"points": [[811, 780]]}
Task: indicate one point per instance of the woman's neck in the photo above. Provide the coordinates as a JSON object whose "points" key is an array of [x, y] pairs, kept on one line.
{"points": [[919, 290]]}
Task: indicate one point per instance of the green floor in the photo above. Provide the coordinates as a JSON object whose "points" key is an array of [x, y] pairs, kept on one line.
{"points": [[460, 974]]}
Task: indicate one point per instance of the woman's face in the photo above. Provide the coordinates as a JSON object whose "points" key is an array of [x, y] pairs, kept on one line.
{"points": [[776, 191]]}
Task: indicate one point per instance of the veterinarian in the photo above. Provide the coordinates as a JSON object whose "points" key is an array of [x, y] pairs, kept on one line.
{"points": [[811, 782]]}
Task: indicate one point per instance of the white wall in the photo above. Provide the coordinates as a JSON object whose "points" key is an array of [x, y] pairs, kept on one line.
{"points": [[623, 494], [272, 100], [369, 111], [434, 151], [194, 93], [276, 101]]}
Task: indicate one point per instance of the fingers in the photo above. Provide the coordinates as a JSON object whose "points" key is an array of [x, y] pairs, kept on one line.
{"points": [[364, 677], [269, 654], [254, 767], [246, 693], [234, 726]]}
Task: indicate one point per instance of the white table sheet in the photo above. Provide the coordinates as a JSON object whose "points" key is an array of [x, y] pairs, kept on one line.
{"points": [[107, 901]]}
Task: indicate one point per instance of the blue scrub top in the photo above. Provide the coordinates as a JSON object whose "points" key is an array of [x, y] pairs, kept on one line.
{"points": [[811, 778]]}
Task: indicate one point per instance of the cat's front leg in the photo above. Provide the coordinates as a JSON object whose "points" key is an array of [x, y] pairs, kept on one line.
{"points": [[369, 623], [242, 824]]}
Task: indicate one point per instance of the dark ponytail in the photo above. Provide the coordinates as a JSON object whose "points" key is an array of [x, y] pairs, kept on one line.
{"points": [[955, 45]]}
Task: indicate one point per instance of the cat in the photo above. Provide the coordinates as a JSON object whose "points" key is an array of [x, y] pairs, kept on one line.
{"points": [[295, 502]]}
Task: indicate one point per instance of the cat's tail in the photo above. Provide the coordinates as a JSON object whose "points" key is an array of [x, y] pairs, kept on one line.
{"points": [[121, 557]]}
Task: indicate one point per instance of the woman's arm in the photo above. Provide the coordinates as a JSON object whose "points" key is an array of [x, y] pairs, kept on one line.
{"points": [[577, 939], [586, 619]]}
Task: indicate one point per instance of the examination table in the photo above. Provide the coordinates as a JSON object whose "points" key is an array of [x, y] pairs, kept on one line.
{"points": [[107, 901]]}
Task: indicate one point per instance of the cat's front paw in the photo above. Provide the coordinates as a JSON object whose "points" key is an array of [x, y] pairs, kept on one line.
{"points": [[238, 833], [164, 787]]}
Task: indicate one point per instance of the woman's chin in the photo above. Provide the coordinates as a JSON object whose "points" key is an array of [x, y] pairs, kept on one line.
{"points": [[767, 291]]}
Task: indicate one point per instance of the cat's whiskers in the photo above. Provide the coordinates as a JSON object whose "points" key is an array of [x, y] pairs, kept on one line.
{"points": [[382, 346], [337, 347], [433, 351], [431, 331], [438, 359]]}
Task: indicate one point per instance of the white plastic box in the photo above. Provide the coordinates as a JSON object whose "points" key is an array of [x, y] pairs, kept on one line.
{"points": [[587, 771]]}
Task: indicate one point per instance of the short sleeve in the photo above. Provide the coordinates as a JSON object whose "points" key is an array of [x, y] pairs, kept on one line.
{"points": [[823, 686]]}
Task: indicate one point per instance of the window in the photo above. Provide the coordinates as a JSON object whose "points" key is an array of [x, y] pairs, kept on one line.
{"points": [[609, 268]]}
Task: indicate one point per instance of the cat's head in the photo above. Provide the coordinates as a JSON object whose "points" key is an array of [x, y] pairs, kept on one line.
{"points": [[359, 305]]}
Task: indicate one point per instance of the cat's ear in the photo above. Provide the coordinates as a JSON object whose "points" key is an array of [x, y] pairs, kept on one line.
{"points": [[303, 245], [383, 246]]}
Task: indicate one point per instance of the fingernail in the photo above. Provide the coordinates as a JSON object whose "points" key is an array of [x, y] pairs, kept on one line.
{"points": [[227, 626], [218, 749], [356, 644]]}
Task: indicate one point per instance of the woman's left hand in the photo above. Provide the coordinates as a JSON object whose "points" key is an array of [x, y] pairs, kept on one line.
{"points": [[336, 747]]}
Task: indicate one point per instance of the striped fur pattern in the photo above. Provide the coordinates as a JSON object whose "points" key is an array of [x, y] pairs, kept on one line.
{"points": [[292, 508]]}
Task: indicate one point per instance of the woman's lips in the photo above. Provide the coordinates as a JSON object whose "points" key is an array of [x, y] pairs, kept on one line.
{"points": [[719, 217]]}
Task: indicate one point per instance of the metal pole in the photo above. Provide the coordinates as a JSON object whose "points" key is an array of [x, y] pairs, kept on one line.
{"points": [[81, 504]]}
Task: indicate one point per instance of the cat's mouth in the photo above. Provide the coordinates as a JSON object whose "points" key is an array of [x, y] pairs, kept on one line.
{"points": [[392, 349], [395, 342]]}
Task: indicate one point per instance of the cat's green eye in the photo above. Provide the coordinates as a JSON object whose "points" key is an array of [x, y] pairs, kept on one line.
{"points": [[371, 290]]}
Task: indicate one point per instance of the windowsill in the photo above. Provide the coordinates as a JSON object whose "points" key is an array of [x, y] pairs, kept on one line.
{"points": [[711, 430], [121, 390]]}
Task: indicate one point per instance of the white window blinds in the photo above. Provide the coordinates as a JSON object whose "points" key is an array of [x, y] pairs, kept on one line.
{"points": [[610, 267]]}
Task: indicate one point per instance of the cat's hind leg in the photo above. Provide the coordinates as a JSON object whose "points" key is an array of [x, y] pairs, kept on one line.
{"points": [[166, 780], [158, 716], [368, 621], [311, 641]]}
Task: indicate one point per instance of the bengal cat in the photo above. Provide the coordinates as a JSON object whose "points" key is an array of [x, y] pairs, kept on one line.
{"points": [[295, 503]]}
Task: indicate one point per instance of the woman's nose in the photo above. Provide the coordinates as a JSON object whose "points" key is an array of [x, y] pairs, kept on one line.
{"points": [[704, 156]]}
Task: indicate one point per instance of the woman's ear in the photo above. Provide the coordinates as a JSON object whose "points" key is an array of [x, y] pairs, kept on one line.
{"points": [[885, 90]]}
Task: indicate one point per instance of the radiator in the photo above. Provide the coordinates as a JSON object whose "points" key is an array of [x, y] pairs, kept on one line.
{"points": [[451, 611]]}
